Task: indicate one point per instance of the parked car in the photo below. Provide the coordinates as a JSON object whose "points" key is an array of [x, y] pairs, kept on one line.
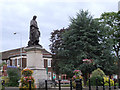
{"points": [[63, 81]]}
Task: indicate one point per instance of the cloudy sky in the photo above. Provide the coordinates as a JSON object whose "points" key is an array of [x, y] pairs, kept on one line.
{"points": [[15, 16]]}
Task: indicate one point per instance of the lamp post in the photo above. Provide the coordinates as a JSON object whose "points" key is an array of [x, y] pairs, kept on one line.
{"points": [[20, 46]]}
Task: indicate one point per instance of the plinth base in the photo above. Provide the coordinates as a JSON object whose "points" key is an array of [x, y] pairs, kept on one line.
{"points": [[40, 76], [35, 62]]}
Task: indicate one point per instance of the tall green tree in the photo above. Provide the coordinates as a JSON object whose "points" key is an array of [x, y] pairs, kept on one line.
{"points": [[83, 40], [111, 33]]}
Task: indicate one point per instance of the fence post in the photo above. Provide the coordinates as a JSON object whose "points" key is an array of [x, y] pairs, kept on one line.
{"points": [[89, 84], [119, 83], [109, 84], [29, 84], [59, 85], [103, 84], [96, 84], [45, 84], [78, 84], [114, 83], [71, 84]]}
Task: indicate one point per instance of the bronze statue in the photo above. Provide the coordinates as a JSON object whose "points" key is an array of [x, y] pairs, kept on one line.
{"points": [[34, 33]]}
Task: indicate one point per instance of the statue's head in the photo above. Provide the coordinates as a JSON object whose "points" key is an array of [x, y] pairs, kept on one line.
{"points": [[34, 17]]}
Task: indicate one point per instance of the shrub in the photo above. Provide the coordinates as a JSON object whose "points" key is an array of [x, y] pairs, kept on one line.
{"points": [[106, 81], [14, 76], [93, 80], [98, 72]]}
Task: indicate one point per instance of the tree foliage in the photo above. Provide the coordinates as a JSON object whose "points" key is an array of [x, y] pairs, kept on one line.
{"points": [[111, 36], [82, 40]]}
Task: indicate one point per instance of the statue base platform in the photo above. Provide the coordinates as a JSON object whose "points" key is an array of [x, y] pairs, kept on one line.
{"points": [[35, 62]]}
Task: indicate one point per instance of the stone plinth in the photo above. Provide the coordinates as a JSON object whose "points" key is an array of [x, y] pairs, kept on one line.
{"points": [[35, 62]]}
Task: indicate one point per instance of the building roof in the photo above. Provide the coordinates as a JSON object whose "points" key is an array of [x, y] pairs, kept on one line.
{"points": [[16, 52]]}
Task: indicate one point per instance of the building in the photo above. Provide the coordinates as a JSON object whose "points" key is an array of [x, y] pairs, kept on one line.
{"points": [[17, 58]]}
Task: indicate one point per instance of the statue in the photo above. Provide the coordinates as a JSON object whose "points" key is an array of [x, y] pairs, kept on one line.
{"points": [[34, 33]]}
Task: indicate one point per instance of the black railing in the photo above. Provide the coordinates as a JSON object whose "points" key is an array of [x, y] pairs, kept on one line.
{"points": [[78, 85]]}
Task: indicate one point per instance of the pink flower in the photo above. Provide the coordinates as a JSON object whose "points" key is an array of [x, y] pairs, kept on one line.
{"points": [[30, 77], [74, 76], [75, 71]]}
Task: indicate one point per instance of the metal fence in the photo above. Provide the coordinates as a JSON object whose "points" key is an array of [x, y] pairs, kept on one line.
{"points": [[78, 86]]}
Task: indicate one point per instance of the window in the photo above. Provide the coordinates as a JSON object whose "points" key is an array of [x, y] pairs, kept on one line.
{"points": [[49, 63], [13, 62], [8, 62], [18, 61]]}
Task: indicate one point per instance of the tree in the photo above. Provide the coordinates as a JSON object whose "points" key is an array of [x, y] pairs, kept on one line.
{"points": [[83, 40], [56, 43], [79, 42], [110, 21]]}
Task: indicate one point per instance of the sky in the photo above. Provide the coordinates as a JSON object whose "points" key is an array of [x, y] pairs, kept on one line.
{"points": [[15, 16]]}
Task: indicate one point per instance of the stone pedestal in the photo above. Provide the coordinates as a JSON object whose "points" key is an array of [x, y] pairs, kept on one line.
{"points": [[35, 62]]}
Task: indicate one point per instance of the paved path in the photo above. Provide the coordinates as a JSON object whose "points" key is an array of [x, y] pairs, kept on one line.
{"points": [[63, 88]]}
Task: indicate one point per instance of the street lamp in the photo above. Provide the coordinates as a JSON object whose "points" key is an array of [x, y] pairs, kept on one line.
{"points": [[20, 46]]}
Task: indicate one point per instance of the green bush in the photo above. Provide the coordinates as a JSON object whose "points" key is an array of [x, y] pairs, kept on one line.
{"points": [[98, 72], [14, 76], [93, 80]]}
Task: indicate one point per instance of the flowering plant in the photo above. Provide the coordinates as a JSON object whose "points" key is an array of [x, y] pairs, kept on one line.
{"points": [[106, 81], [25, 82], [77, 74], [27, 72], [27, 76]]}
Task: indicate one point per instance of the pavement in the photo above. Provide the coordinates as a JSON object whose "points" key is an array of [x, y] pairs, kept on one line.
{"points": [[62, 88]]}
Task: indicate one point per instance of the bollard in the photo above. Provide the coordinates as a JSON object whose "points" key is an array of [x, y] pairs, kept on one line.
{"points": [[96, 84], [114, 83], [89, 84], [78, 84], [119, 83], [45, 84], [103, 84], [59, 85], [29, 84], [109, 84], [71, 84]]}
